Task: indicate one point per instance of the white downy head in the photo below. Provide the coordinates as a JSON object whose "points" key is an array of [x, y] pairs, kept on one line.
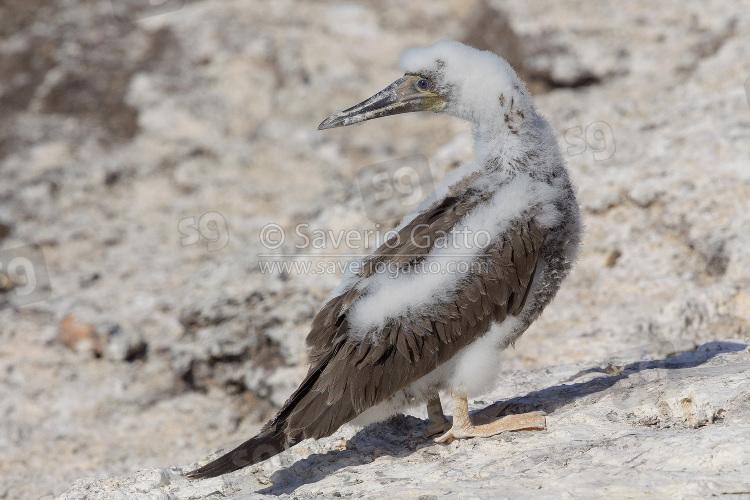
{"points": [[478, 86]]}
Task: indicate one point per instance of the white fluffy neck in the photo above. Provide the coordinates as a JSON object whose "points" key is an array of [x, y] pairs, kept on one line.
{"points": [[497, 148]]}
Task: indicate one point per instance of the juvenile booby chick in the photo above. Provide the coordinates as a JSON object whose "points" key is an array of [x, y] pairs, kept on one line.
{"points": [[432, 308]]}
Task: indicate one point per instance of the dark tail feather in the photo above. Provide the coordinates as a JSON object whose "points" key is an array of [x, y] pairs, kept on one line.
{"points": [[252, 451], [272, 439]]}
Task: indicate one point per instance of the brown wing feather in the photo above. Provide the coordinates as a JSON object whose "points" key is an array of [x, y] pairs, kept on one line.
{"points": [[445, 215], [348, 376], [500, 289]]}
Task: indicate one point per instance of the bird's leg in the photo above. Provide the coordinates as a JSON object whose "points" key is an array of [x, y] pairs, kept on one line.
{"points": [[438, 423], [463, 428]]}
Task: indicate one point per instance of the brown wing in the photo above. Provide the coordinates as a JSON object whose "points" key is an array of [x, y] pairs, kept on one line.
{"points": [[348, 376], [415, 240], [353, 375]]}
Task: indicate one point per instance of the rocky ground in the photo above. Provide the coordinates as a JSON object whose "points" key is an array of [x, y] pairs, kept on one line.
{"points": [[665, 429], [149, 161]]}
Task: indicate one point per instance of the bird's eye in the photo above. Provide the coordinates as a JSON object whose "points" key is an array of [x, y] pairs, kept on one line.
{"points": [[423, 84]]}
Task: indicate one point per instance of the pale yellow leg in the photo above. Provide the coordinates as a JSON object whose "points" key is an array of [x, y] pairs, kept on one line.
{"points": [[438, 423], [463, 428]]}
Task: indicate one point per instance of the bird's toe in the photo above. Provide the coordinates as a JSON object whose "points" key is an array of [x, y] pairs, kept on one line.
{"points": [[526, 421], [446, 438]]}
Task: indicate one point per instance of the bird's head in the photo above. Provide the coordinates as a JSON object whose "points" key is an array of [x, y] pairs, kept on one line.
{"points": [[448, 77]]}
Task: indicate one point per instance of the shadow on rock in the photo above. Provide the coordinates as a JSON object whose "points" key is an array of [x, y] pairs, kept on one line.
{"points": [[401, 435], [637, 375]]}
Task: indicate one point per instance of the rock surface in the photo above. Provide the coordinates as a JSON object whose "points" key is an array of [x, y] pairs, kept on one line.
{"points": [[674, 428], [149, 160]]}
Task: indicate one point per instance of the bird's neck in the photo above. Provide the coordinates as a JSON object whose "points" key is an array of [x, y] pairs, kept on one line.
{"points": [[498, 149]]}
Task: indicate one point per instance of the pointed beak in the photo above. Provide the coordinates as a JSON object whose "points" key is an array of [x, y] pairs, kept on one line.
{"points": [[402, 96]]}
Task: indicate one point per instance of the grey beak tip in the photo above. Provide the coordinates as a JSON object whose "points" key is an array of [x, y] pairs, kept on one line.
{"points": [[326, 124]]}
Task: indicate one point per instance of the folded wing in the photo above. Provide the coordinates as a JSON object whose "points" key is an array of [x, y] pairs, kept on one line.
{"points": [[349, 374]]}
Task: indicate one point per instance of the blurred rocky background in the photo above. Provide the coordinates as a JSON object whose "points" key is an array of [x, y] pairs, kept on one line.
{"points": [[145, 149]]}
